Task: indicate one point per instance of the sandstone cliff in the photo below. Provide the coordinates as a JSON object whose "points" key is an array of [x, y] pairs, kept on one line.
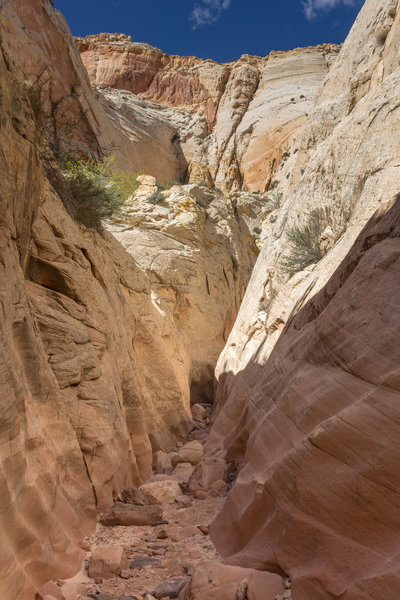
{"points": [[199, 248], [232, 121], [94, 376], [317, 489]]}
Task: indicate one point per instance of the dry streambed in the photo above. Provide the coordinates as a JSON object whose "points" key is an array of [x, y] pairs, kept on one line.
{"points": [[154, 543]]}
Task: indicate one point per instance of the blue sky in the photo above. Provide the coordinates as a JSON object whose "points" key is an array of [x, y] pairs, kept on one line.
{"points": [[219, 29]]}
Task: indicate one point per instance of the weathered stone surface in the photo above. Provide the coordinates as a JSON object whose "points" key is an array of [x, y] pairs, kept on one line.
{"points": [[170, 588], [319, 446], [51, 589], [198, 249], [107, 561], [141, 563], [161, 492], [130, 514], [307, 382]]}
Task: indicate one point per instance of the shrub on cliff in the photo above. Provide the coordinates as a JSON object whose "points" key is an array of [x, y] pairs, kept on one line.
{"points": [[96, 190], [304, 242]]}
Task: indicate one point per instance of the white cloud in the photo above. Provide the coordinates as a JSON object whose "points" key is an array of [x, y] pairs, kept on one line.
{"points": [[312, 7], [208, 12]]}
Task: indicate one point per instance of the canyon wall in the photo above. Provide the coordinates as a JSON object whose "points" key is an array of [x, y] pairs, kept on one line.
{"points": [[94, 374], [307, 384], [232, 121]]}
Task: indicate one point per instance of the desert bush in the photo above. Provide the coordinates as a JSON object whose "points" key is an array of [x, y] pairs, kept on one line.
{"points": [[304, 242], [200, 202], [95, 189], [257, 230], [155, 198]]}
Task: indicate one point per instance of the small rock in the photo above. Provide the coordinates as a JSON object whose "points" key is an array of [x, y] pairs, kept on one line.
{"points": [[140, 563], [162, 535], [159, 552], [107, 561], [183, 501], [98, 580], [84, 545], [171, 588], [101, 596], [124, 574], [149, 597], [159, 523], [186, 532], [287, 583], [158, 545]]}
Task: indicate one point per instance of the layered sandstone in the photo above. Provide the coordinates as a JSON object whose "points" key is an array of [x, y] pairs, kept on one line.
{"points": [[307, 386], [241, 114], [199, 248], [94, 377]]}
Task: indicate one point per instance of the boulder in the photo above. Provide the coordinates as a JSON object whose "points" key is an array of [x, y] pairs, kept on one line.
{"points": [[192, 453], [161, 492], [215, 581], [170, 588], [130, 514], [207, 473], [142, 562], [107, 561]]}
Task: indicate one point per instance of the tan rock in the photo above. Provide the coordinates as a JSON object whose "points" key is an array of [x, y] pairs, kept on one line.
{"points": [[130, 514], [186, 532], [161, 492], [216, 581], [192, 453], [107, 561]]}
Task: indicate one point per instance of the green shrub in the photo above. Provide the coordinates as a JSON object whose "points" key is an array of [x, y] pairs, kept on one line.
{"points": [[95, 190], [257, 230], [155, 198], [200, 202], [171, 184], [304, 241], [273, 185]]}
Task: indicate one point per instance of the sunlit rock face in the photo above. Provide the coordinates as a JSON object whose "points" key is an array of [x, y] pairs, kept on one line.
{"points": [[233, 122], [307, 383]]}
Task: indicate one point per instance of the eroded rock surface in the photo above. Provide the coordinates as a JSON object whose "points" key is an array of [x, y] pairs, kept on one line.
{"points": [[232, 121]]}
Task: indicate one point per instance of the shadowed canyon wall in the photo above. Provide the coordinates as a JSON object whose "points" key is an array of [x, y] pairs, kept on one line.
{"points": [[307, 384]]}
